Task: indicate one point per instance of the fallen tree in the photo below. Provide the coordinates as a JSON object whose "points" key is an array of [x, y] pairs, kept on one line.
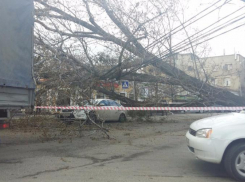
{"points": [[80, 23]]}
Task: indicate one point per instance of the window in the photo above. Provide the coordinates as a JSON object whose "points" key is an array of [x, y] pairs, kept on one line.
{"points": [[123, 94], [227, 82], [112, 103], [216, 81], [144, 92], [216, 68], [104, 102], [190, 68], [227, 67]]}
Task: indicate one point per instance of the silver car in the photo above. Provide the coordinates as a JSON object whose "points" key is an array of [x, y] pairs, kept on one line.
{"points": [[106, 115]]}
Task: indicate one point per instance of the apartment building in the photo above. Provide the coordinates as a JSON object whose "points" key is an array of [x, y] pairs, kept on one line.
{"points": [[227, 71]]}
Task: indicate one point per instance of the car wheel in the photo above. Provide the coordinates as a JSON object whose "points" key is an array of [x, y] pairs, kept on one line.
{"points": [[122, 118], [92, 116], [235, 161]]}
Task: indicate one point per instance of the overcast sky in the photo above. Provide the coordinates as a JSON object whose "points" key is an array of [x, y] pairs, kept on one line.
{"points": [[230, 42]]}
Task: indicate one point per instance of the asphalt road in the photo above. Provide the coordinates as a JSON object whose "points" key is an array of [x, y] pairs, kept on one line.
{"points": [[142, 152]]}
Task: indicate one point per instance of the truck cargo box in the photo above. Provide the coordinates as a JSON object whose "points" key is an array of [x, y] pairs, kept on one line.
{"points": [[16, 54]]}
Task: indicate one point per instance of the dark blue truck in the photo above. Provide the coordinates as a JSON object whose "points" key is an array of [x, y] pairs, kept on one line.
{"points": [[16, 55]]}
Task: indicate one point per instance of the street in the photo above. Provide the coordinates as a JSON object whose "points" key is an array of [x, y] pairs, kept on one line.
{"points": [[106, 90], [137, 152]]}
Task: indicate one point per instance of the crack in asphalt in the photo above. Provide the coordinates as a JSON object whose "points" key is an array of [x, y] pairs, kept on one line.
{"points": [[11, 161], [100, 161], [46, 171], [94, 161], [135, 155]]}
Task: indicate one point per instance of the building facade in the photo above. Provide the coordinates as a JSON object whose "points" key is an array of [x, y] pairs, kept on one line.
{"points": [[227, 71]]}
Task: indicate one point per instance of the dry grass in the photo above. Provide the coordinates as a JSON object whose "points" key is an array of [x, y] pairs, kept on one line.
{"points": [[46, 127]]}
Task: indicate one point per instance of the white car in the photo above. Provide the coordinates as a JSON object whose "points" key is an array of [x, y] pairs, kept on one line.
{"points": [[107, 115], [220, 139], [69, 115]]}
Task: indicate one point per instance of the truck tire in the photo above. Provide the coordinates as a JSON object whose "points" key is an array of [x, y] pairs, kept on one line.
{"points": [[234, 161]]}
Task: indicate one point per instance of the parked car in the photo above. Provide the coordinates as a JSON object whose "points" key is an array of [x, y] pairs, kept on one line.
{"points": [[71, 115], [107, 115], [220, 139]]}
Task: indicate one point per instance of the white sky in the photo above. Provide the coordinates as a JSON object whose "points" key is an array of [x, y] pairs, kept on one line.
{"points": [[231, 42]]}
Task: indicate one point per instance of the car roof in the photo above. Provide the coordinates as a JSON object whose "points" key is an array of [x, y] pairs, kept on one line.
{"points": [[102, 99]]}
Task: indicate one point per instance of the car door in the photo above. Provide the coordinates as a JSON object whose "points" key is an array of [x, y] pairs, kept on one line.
{"points": [[104, 114], [114, 114], [119, 112]]}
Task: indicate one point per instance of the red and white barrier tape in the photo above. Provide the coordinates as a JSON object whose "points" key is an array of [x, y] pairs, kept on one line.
{"points": [[143, 108]]}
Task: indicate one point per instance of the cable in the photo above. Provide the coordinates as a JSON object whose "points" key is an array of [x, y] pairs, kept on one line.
{"points": [[216, 36], [216, 29], [214, 24], [150, 61], [172, 33], [159, 39]]}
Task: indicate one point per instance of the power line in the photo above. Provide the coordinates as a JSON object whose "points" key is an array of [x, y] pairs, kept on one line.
{"points": [[187, 39], [177, 28], [216, 35], [183, 48], [179, 49], [174, 32], [212, 31]]}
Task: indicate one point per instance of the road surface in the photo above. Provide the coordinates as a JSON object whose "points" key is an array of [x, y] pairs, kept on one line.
{"points": [[138, 152]]}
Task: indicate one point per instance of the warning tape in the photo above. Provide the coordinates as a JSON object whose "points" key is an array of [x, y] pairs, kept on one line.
{"points": [[144, 108]]}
